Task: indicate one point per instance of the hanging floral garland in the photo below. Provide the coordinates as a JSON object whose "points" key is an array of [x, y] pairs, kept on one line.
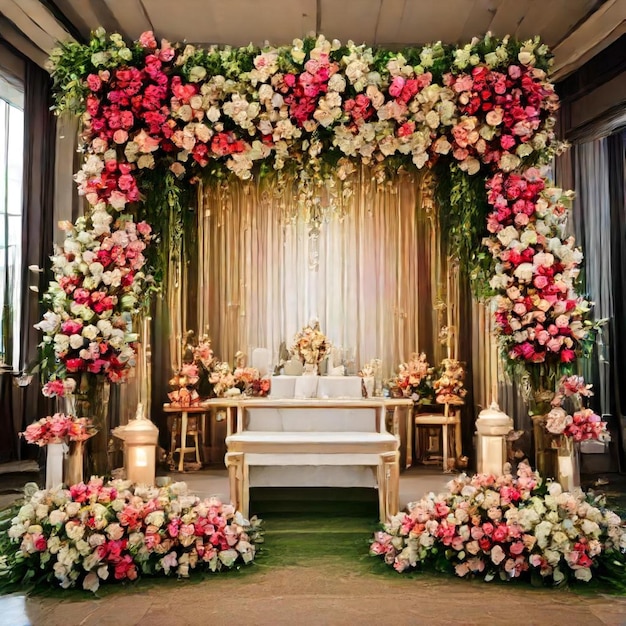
{"points": [[174, 113]]}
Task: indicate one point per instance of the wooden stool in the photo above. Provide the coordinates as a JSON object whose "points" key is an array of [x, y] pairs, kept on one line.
{"points": [[182, 427], [446, 420]]}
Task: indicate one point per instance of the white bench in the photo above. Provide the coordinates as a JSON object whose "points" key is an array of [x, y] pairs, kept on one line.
{"points": [[353, 436]]}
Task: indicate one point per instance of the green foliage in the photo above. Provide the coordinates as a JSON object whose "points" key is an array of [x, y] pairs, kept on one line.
{"points": [[463, 211]]}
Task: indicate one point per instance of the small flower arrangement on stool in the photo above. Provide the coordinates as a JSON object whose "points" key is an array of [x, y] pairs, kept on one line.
{"points": [[413, 379], [449, 388], [184, 383]]}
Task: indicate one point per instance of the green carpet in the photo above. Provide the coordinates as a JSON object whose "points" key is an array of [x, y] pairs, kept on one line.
{"points": [[307, 525]]}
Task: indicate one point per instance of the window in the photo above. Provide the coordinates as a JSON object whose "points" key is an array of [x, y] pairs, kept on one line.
{"points": [[11, 161]]}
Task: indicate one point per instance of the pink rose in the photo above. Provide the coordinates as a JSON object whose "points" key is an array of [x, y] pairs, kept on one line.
{"points": [[500, 533], [562, 321], [554, 345], [120, 136], [497, 555], [93, 82], [144, 229], [494, 117], [521, 219], [395, 89], [515, 72], [72, 327], [507, 142], [147, 40], [541, 282]]}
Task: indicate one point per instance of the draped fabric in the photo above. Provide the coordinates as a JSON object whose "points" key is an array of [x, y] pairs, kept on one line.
{"points": [[374, 276], [37, 226], [598, 220], [591, 218], [617, 188]]}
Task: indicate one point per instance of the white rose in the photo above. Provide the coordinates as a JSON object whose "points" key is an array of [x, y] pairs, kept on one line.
{"points": [[57, 517], [524, 272], [76, 342], [525, 57], [508, 235], [51, 321], [74, 531], [90, 332], [61, 343], [337, 83], [145, 161], [584, 574], [528, 238]]}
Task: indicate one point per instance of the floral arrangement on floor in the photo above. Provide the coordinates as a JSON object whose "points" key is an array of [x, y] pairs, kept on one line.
{"points": [[509, 527], [414, 379], [569, 418], [58, 428], [99, 283], [310, 344], [94, 533], [449, 388]]}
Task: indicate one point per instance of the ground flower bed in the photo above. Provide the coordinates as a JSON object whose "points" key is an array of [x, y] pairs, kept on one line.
{"points": [[507, 527], [113, 532]]}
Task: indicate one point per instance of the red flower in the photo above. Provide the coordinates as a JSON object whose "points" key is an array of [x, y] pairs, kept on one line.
{"points": [[75, 365]]}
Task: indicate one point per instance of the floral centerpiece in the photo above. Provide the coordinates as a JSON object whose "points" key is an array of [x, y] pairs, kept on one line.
{"points": [[114, 532], [58, 428], [414, 379], [205, 360], [510, 527], [248, 380], [310, 344], [449, 388]]}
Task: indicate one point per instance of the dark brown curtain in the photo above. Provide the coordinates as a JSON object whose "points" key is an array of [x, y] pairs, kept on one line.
{"points": [[37, 231], [617, 185]]}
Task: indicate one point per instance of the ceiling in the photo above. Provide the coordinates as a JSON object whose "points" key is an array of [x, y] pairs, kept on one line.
{"points": [[574, 29]]}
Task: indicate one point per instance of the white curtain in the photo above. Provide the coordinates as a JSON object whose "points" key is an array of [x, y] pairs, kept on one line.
{"points": [[372, 275]]}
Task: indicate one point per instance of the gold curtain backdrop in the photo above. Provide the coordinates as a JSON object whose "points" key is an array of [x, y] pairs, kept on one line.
{"points": [[372, 272]]}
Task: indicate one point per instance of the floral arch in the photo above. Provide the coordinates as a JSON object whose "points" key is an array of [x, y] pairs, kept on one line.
{"points": [[158, 117]]}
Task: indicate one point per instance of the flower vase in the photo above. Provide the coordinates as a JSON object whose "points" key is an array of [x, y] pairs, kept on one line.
{"points": [[98, 445], [54, 464], [310, 369], [70, 405], [568, 464], [74, 463], [545, 450]]}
